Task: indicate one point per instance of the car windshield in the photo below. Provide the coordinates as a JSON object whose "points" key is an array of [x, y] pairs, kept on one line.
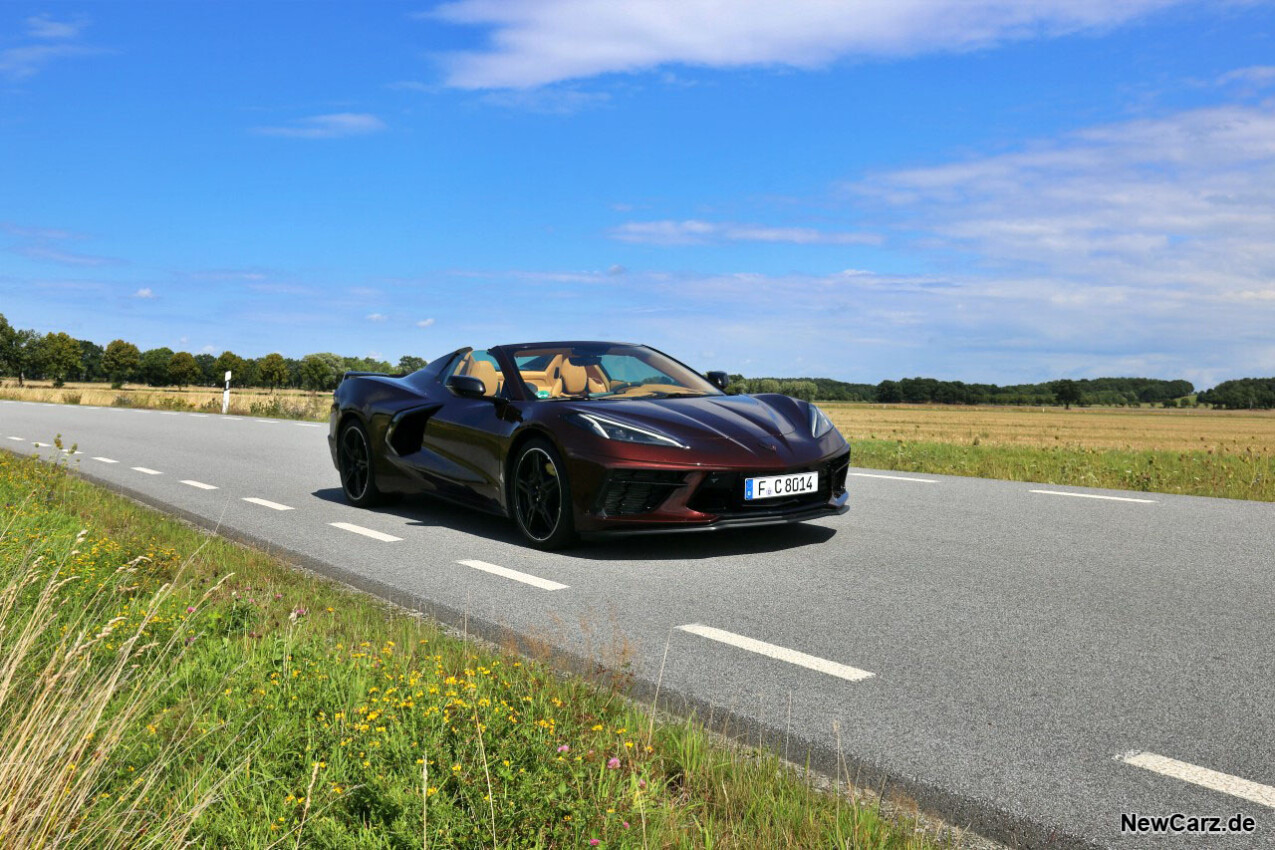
{"points": [[606, 372]]}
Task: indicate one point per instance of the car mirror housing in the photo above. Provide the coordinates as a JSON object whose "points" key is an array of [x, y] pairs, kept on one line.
{"points": [[467, 386], [721, 380]]}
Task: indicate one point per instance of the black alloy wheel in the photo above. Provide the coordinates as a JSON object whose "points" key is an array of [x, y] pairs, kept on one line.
{"points": [[542, 497], [358, 478]]}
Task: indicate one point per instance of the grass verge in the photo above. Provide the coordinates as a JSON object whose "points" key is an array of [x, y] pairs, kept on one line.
{"points": [[214, 695], [1238, 475]]}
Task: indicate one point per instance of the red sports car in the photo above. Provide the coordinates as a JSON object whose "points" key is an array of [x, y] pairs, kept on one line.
{"points": [[582, 438]]}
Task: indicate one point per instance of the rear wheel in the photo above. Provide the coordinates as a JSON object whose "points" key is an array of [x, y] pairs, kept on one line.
{"points": [[358, 475], [542, 497]]}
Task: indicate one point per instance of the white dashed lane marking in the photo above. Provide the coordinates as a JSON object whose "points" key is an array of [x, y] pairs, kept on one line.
{"points": [[770, 650], [536, 581], [146, 471], [19, 439], [1235, 786], [309, 424], [894, 477], [200, 485], [266, 503], [105, 460], [1093, 496], [366, 532]]}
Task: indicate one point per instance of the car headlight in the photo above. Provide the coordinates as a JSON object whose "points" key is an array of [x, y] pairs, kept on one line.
{"points": [[622, 432], [819, 423]]}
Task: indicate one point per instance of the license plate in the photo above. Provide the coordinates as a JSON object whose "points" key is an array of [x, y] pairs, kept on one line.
{"points": [[774, 486]]}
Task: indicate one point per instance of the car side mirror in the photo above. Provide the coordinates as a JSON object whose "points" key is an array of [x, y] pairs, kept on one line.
{"points": [[467, 386], [718, 379]]}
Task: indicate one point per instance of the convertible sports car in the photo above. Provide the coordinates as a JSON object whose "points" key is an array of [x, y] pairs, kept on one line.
{"points": [[574, 438]]}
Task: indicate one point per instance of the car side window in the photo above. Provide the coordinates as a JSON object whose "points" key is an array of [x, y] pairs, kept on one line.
{"points": [[482, 365]]}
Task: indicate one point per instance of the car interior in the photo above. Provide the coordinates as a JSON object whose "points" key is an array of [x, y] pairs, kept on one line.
{"points": [[555, 373]]}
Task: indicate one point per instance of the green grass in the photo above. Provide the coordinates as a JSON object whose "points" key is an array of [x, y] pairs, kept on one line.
{"points": [[265, 707], [1240, 475]]}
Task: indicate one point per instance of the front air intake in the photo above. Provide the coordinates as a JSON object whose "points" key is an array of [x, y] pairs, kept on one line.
{"points": [[626, 492]]}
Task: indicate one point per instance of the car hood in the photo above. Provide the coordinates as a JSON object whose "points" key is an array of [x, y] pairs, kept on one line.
{"points": [[753, 423]]}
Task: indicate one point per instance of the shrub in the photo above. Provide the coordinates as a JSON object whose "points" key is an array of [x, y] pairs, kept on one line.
{"points": [[173, 402], [122, 401], [71, 398]]}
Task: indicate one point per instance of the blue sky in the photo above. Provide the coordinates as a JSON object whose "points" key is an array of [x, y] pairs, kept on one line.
{"points": [[980, 190]]}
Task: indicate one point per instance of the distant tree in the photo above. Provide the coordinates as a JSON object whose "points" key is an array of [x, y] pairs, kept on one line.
{"points": [[363, 364], [804, 390], [408, 364], [183, 369], [294, 371], [230, 362], [888, 392], [19, 351], [207, 366], [1241, 393], [59, 357], [767, 385], [121, 361], [273, 370], [320, 372], [1066, 392], [154, 366], [90, 361]]}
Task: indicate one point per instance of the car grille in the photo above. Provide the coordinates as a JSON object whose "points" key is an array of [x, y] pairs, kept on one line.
{"points": [[636, 491], [723, 492]]}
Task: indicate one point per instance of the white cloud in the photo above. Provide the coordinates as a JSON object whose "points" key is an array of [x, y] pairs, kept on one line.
{"points": [[144, 292], [536, 42], [424, 323], [376, 317], [335, 126], [43, 26], [546, 101], [693, 232], [46, 244], [1254, 75], [20, 62], [29, 59], [1186, 200], [412, 85]]}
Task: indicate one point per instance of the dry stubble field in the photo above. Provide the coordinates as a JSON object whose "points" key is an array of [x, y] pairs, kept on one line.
{"points": [[1132, 429]]}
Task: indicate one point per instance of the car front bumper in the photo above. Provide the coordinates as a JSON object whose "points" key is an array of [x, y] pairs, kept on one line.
{"points": [[623, 499]]}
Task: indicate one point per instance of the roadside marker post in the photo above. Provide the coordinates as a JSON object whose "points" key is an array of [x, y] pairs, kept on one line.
{"points": [[225, 397]]}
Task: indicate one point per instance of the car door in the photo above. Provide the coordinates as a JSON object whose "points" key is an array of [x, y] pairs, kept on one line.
{"points": [[469, 434]]}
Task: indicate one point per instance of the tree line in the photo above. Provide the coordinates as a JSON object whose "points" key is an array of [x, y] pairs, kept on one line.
{"points": [[59, 357], [1102, 391], [1242, 394]]}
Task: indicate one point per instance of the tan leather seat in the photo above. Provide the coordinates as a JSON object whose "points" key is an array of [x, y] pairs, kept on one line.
{"points": [[486, 373], [576, 378]]}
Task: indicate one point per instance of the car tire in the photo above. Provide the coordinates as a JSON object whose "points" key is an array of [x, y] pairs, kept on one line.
{"points": [[356, 465], [540, 496]]}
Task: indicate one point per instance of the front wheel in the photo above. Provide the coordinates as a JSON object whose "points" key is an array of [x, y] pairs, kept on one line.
{"points": [[542, 497], [358, 474]]}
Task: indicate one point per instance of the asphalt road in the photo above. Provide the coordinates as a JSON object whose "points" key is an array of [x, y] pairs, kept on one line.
{"points": [[1041, 661]]}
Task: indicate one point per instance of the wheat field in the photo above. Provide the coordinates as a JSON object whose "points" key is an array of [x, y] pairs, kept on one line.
{"points": [[1130, 429]]}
